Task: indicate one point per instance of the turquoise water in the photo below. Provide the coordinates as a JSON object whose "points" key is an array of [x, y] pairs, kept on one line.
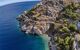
{"points": [[11, 38]]}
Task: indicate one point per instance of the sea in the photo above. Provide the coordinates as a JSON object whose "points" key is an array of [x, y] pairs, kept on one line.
{"points": [[11, 37]]}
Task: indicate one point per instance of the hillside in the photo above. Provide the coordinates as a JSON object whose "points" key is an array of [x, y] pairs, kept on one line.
{"points": [[59, 19]]}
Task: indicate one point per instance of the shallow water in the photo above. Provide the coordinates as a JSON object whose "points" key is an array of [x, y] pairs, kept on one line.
{"points": [[11, 38]]}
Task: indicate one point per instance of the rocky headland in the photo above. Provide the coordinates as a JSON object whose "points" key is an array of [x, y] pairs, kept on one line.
{"points": [[59, 19]]}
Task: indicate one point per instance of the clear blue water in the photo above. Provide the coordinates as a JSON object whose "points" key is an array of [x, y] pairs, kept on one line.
{"points": [[11, 38]]}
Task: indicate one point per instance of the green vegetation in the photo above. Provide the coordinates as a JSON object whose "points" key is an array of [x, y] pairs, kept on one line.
{"points": [[32, 11], [64, 29], [38, 5], [64, 42], [72, 27], [70, 11]]}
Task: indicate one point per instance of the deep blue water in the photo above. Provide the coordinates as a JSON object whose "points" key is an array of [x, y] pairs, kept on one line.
{"points": [[11, 38]]}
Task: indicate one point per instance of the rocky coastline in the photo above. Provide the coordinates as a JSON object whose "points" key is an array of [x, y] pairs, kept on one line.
{"points": [[56, 18]]}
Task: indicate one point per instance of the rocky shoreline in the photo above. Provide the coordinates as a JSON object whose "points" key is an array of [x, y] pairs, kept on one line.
{"points": [[56, 18]]}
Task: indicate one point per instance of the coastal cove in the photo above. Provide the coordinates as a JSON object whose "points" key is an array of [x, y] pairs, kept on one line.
{"points": [[11, 38]]}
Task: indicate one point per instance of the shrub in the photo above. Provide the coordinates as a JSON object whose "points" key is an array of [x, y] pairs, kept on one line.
{"points": [[65, 21], [64, 29], [72, 27], [70, 11]]}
